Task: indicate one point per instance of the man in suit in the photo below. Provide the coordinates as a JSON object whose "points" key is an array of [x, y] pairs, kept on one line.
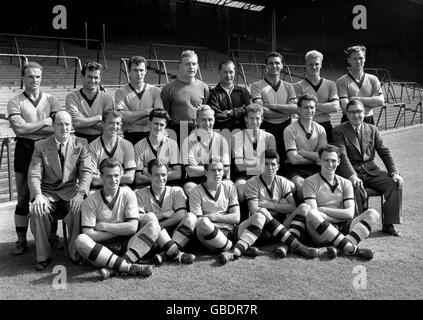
{"points": [[59, 178], [358, 142]]}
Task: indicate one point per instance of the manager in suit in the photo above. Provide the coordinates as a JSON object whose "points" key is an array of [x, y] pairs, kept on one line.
{"points": [[358, 142], [59, 179]]}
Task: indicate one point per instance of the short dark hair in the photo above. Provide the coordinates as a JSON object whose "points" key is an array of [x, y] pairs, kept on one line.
{"points": [[329, 148], [156, 163], [109, 163], [225, 62], [213, 159], [306, 97], [91, 66], [350, 50], [136, 60], [273, 54], [354, 102], [108, 112], [159, 113], [271, 154], [30, 64]]}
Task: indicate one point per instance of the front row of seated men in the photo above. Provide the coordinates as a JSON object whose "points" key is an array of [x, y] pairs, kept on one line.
{"points": [[120, 226]]}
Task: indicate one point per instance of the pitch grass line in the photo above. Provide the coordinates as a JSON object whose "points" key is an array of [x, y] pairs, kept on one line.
{"points": [[394, 273]]}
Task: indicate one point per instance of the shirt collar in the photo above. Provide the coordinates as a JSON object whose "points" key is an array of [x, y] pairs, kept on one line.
{"points": [[58, 143]]}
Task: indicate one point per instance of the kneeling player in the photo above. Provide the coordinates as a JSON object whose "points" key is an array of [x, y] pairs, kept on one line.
{"points": [[331, 199], [112, 237], [215, 203], [168, 204], [271, 196]]}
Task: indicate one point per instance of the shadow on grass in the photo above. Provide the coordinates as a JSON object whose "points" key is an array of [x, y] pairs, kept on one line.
{"points": [[12, 265]]}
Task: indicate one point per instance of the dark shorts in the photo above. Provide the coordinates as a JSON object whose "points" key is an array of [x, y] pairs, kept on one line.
{"points": [[117, 245], [23, 153], [368, 119], [134, 137], [328, 128], [303, 170], [343, 227]]}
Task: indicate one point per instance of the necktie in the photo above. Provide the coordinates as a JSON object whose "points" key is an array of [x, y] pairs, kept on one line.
{"points": [[61, 156], [255, 139], [358, 134]]}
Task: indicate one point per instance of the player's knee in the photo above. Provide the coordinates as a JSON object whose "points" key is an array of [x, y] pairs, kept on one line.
{"points": [[149, 217], [188, 188], [258, 219], [265, 213], [204, 226], [82, 241], [292, 186], [190, 220], [313, 216], [371, 216], [303, 209]]}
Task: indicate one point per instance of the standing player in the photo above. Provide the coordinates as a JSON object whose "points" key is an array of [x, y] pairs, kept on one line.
{"points": [[136, 100], [227, 99], [270, 195], [359, 85], [200, 145], [182, 97], [331, 218], [110, 145], [248, 148], [157, 146], [113, 237], [30, 118], [215, 204], [277, 98], [323, 89], [302, 140], [169, 206], [87, 104]]}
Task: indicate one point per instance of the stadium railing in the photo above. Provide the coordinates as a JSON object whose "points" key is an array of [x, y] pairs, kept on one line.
{"points": [[123, 69], [6, 134], [153, 52], [14, 45], [25, 57], [235, 55]]}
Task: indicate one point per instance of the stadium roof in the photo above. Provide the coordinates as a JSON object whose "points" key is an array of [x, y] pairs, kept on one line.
{"points": [[234, 4]]}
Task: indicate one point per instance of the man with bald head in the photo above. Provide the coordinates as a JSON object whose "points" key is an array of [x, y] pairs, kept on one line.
{"points": [[59, 178]]}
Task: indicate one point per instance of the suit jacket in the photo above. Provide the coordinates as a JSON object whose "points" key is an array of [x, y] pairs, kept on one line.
{"points": [[45, 173], [356, 158]]}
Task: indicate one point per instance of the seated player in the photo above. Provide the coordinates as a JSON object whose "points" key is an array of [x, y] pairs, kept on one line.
{"points": [[169, 206], [200, 145], [302, 140], [270, 195], [157, 146], [113, 236], [331, 218], [110, 145], [58, 179], [215, 203], [248, 148]]}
